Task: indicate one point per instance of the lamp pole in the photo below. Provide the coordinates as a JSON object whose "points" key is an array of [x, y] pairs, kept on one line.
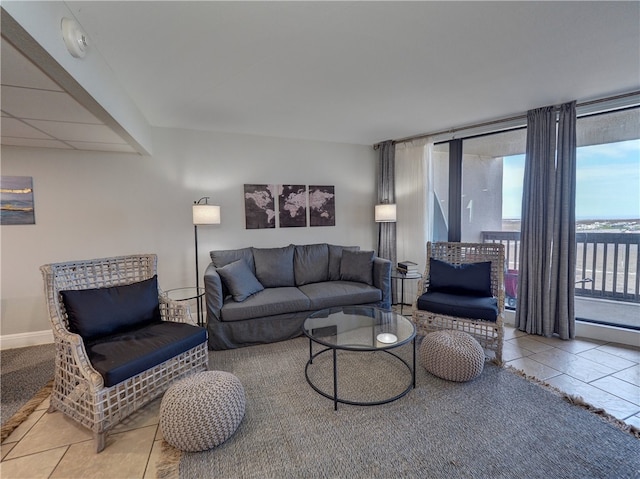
{"points": [[203, 214], [198, 298]]}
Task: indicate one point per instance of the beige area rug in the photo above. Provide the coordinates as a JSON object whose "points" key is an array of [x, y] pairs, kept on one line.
{"points": [[500, 425], [25, 411]]}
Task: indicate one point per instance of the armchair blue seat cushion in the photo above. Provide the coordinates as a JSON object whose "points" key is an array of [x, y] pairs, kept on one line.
{"points": [[123, 355], [104, 311], [469, 279], [462, 306]]}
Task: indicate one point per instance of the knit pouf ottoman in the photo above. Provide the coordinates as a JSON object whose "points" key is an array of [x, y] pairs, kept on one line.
{"points": [[452, 355], [202, 411]]}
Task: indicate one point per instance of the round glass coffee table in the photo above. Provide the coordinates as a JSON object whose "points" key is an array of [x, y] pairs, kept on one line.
{"points": [[359, 329]]}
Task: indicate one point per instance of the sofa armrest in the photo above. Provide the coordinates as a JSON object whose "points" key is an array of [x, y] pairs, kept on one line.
{"points": [[213, 294], [382, 279]]}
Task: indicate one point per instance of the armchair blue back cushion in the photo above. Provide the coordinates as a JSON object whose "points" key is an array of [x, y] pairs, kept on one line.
{"points": [[98, 312], [471, 279], [460, 290]]}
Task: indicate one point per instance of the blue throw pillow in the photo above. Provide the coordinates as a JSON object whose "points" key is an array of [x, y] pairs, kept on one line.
{"points": [[97, 312], [473, 279], [240, 280]]}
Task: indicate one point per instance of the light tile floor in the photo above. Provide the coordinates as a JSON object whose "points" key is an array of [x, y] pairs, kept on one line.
{"points": [[46, 445]]}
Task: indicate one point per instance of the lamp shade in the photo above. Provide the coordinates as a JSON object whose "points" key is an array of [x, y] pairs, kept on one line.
{"points": [[385, 213], [206, 215]]}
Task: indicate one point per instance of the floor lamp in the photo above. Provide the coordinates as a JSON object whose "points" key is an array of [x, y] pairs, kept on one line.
{"points": [[385, 213], [203, 214]]}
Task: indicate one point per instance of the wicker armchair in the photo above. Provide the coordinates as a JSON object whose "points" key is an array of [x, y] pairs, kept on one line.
{"points": [[489, 334], [79, 390]]}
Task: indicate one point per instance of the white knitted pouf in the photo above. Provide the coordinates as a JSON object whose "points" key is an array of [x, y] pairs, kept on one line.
{"points": [[452, 355], [202, 411]]}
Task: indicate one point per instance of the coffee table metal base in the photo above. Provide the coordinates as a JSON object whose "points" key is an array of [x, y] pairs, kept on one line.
{"points": [[336, 399]]}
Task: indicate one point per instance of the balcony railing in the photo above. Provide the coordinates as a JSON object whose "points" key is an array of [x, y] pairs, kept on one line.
{"points": [[607, 264]]}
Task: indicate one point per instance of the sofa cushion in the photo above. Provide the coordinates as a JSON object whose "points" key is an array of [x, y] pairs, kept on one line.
{"points": [[340, 293], [269, 302], [274, 266], [223, 257], [471, 307], [335, 257], [311, 263], [470, 279], [123, 355], [102, 311], [357, 266], [239, 280]]}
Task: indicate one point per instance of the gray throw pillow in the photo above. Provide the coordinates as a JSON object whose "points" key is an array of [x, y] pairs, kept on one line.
{"points": [[274, 266], [357, 266], [223, 257], [239, 280], [335, 257], [311, 263]]}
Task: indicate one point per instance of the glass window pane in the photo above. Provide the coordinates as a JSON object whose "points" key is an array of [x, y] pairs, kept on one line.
{"points": [[492, 169], [440, 170], [608, 219]]}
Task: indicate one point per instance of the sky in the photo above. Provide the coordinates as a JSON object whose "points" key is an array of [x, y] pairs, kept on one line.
{"points": [[607, 182]]}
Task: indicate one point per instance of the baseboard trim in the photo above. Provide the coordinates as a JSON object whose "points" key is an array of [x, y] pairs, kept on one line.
{"points": [[601, 332], [21, 340], [610, 334]]}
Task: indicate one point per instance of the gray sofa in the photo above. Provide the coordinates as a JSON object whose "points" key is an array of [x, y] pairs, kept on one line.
{"points": [[263, 295]]}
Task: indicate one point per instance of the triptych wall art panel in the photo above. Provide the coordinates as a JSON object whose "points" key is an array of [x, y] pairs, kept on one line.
{"points": [[259, 206], [16, 200], [296, 206], [292, 201], [322, 205]]}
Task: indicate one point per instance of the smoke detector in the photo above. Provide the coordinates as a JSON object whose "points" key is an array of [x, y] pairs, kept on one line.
{"points": [[74, 38]]}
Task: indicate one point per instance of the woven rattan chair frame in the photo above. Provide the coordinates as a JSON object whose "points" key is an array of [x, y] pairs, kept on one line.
{"points": [[78, 389], [490, 335]]}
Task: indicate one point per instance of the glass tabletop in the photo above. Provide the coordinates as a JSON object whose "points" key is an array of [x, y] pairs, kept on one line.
{"points": [[359, 328], [399, 275], [184, 294]]}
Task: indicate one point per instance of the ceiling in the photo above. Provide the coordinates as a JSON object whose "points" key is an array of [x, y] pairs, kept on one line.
{"points": [[36, 112], [352, 72]]}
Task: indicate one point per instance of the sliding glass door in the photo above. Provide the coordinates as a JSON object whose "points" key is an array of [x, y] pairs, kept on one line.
{"points": [[607, 209]]}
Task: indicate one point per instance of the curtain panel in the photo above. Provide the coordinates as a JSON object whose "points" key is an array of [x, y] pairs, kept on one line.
{"points": [[387, 194], [414, 200], [545, 303]]}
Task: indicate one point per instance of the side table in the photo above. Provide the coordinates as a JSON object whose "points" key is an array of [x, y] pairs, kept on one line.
{"points": [[188, 294], [402, 277]]}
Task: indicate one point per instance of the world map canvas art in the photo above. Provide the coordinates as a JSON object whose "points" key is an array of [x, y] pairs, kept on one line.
{"points": [[259, 206], [292, 201], [286, 206], [322, 206]]}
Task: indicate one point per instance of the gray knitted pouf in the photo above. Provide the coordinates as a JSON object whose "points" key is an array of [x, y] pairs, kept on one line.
{"points": [[202, 411], [452, 355]]}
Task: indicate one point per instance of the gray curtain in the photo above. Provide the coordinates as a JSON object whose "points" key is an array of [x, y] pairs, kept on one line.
{"points": [[547, 255], [387, 194]]}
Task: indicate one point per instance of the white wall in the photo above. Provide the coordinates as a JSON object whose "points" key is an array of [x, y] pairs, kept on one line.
{"points": [[90, 205]]}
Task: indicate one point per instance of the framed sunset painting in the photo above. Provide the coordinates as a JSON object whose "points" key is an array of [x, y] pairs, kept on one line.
{"points": [[16, 200]]}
